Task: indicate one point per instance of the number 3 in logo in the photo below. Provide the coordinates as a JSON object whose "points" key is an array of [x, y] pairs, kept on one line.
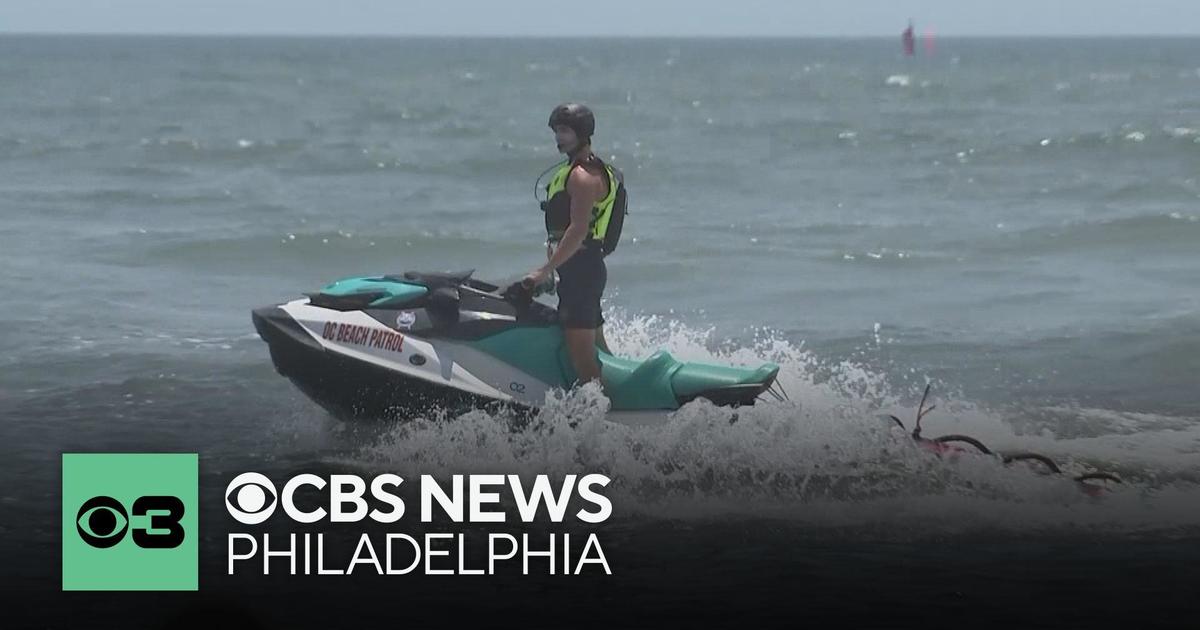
{"points": [[172, 536]]}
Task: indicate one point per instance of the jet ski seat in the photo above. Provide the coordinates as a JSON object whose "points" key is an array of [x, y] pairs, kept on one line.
{"points": [[433, 280]]}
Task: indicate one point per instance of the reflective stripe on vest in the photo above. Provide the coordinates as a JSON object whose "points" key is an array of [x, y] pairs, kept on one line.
{"points": [[601, 212]]}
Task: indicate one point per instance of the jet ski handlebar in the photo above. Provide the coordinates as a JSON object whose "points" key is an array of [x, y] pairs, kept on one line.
{"points": [[522, 292]]}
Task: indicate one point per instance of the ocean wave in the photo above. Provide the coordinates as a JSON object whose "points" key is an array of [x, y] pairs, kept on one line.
{"points": [[460, 130], [890, 258], [1145, 143], [213, 75], [794, 132], [1155, 231], [37, 148], [826, 459], [503, 160], [378, 111], [340, 252], [190, 150], [128, 200], [148, 171], [1047, 381]]}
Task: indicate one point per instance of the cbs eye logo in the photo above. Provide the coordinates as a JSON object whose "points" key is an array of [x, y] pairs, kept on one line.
{"points": [[251, 498], [102, 522]]}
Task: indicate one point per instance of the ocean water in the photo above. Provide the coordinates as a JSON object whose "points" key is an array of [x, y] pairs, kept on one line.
{"points": [[1015, 221]]}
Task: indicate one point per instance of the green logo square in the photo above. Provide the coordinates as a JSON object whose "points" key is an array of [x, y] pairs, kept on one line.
{"points": [[129, 521]]}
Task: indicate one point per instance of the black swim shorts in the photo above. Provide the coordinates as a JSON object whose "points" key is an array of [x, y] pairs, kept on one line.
{"points": [[581, 283]]}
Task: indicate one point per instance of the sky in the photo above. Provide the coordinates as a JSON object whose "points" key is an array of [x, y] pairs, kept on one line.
{"points": [[549, 18]]}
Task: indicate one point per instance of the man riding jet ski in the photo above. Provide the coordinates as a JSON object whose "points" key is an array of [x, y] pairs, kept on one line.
{"points": [[398, 345]]}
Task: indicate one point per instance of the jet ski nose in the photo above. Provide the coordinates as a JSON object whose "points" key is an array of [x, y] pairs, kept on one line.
{"points": [[263, 317], [276, 327]]}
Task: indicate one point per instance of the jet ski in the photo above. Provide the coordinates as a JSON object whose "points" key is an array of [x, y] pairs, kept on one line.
{"points": [[395, 346]]}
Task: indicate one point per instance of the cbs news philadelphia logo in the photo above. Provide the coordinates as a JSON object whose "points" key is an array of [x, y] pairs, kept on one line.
{"points": [[129, 522]]}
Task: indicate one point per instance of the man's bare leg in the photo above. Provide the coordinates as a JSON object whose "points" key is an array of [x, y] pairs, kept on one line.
{"points": [[600, 341], [581, 347]]}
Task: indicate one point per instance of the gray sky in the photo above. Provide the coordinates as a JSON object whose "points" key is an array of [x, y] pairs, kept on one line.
{"points": [[605, 17]]}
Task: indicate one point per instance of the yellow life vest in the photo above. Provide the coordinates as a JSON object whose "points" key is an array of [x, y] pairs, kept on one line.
{"points": [[604, 226]]}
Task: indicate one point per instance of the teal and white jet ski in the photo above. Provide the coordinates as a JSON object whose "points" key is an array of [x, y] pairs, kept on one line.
{"points": [[395, 346]]}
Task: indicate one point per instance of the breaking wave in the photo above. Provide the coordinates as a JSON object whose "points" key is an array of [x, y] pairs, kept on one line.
{"points": [[824, 459]]}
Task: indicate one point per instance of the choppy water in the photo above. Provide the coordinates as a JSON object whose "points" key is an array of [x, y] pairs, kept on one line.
{"points": [[1016, 221]]}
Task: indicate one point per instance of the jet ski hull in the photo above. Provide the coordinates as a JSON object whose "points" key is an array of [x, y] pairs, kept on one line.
{"points": [[349, 388]]}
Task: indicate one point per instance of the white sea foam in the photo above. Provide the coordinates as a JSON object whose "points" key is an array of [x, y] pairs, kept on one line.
{"points": [[824, 459]]}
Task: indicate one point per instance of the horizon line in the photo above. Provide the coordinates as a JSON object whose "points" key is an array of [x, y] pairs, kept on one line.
{"points": [[314, 35]]}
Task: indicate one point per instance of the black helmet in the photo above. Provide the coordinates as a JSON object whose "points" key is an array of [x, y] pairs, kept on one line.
{"points": [[578, 117]]}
